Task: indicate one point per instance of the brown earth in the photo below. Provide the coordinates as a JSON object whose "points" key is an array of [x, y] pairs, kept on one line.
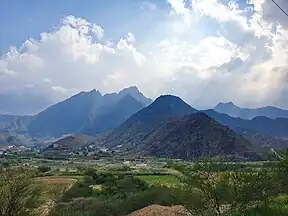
{"points": [[158, 210]]}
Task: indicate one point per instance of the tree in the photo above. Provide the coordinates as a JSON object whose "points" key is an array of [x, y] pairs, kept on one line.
{"points": [[44, 169], [207, 191], [282, 172], [204, 190], [19, 196], [246, 189]]}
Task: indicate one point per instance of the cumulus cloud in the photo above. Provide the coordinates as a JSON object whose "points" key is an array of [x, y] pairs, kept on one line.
{"points": [[242, 57], [270, 12], [255, 64], [68, 60]]}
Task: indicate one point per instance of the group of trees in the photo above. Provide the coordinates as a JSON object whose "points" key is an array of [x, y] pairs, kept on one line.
{"points": [[252, 192], [207, 189], [19, 196]]}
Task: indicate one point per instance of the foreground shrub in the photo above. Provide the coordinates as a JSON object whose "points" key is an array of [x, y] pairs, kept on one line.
{"points": [[19, 196]]}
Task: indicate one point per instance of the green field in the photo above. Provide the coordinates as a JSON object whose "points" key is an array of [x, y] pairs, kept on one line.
{"points": [[160, 179]]}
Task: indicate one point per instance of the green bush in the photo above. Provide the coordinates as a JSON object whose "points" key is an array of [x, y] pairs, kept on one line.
{"points": [[82, 207], [114, 206], [44, 169], [79, 189]]}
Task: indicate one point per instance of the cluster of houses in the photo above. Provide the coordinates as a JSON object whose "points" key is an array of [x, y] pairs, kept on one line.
{"points": [[6, 150]]}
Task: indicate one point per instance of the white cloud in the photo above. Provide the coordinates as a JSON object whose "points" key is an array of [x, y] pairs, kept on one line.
{"points": [[239, 56], [269, 12], [98, 31], [178, 6], [257, 76], [130, 38], [218, 10]]}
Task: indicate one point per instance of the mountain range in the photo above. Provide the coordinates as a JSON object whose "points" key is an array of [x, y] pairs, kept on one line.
{"points": [[168, 127], [171, 128], [86, 112], [245, 113]]}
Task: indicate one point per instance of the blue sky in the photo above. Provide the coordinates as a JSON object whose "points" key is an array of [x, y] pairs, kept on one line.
{"points": [[205, 51], [20, 20]]}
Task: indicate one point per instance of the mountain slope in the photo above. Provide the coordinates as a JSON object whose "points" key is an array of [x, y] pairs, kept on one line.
{"points": [[115, 115], [245, 113], [18, 125], [7, 139], [136, 94], [87, 112], [67, 116], [138, 126], [196, 136], [7, 118], [264, 141], [13, 122]]}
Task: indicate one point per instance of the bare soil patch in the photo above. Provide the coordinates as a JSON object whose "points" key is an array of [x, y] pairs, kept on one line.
{"points": [[158, 210]]}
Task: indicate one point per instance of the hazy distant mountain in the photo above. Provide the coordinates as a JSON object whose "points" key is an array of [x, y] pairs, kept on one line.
{"points": [[23, 102], [14, 127], [7, 118], [262, 125], [133, 131], [13, 130], [245, 113], [197, 136], [87, 112]]}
